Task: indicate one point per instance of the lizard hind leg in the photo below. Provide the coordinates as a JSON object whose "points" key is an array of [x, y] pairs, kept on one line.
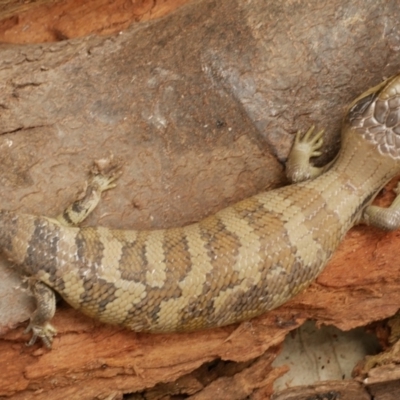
{"points": [[103, 176], [45, 308]]}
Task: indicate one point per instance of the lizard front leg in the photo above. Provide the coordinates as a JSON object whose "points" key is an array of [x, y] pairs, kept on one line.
{"points": [[384, 218], [305, 147]]}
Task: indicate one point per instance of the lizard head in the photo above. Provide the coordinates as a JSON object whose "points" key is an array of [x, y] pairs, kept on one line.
{"points": [[376, 116]]}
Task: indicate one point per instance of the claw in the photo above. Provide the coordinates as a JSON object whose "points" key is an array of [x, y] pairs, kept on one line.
{"points": [[309, 133], [316, 153], [106, 182], [46, 333], [318, 138], [297, 137]]}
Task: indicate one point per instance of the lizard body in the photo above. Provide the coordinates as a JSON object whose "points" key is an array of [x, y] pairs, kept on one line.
{"points": [[244, 260]]}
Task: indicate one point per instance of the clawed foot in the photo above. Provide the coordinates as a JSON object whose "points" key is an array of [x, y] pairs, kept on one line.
{"points": [[305, 147], [45, 308], [45, 333], [105, 172], [310, 142]]}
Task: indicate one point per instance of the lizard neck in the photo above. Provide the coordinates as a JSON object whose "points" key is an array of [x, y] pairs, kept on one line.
{"points": [[356, 177], [361, 166]]}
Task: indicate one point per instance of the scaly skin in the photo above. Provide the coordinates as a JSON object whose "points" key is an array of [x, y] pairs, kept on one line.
{"points": [[246, 259]]}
